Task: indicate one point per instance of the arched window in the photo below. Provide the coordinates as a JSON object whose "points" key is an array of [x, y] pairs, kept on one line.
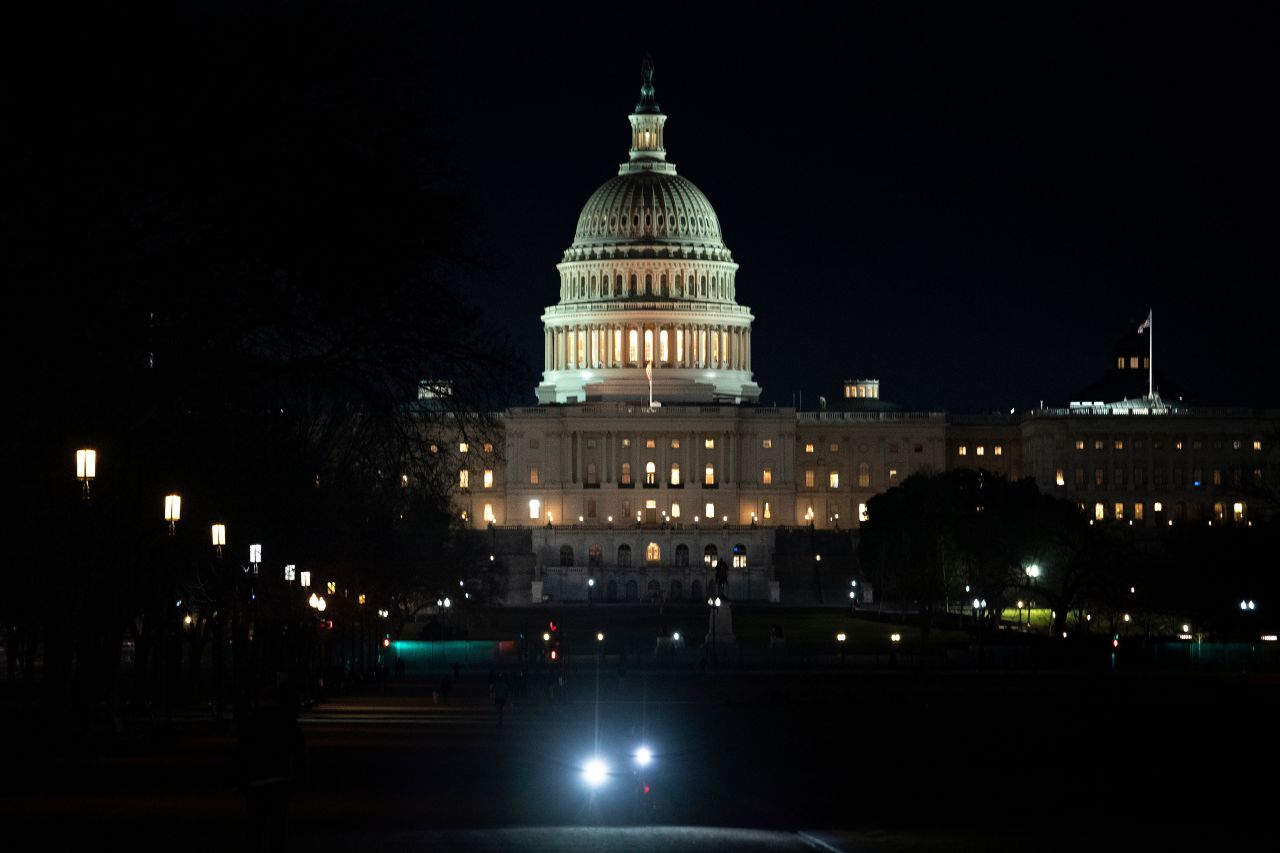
{"points": [[702, 288], [648, 345], [633, 591], [679, 285], [675, 509], [595, 556], [675, 477], [611, 591], [864, 475], [695, 590], [624, 556], [650, 474], [710, 555], [652, 554], [566, 555], [677, 591], [664, 351], [662, 284], [648, 284], [617, 285], [654, 590], [739, 556], [633, 346], [535, 506], [682, 556], [633, 284], [709, 476], [625, 477]]}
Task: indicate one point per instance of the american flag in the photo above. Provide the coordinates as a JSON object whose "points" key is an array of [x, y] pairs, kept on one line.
{"points": [[1146, 324]]}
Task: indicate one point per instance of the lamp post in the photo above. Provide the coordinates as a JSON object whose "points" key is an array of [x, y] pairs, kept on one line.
{"points": [[86, 468], [172, 514]]}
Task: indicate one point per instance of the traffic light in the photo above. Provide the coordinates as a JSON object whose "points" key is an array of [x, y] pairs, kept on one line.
{"points": [[1115, 641]]}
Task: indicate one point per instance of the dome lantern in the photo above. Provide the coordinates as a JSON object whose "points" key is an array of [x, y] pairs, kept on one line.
{"points": [[648, 149]]}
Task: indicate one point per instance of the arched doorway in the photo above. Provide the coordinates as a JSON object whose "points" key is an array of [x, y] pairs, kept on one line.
{"points": [[695, 590], [611, 591], [633, 591], [654, 591], [677, 591]]}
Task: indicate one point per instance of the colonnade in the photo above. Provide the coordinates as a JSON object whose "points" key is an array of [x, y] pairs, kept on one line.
{"points": [[607, 345]]}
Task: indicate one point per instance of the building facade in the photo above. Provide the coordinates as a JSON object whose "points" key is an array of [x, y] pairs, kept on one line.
{"points": [[648, 463]]}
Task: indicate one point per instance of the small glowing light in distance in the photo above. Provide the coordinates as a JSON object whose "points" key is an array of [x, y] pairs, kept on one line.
{"points": [[595, 772], [841, 637], [852, 594], [600, 637], [643, 756], [1184, 636], [896, 638], [1126, 617], [1268, 638], [1186, 629], [676, 635], [546, 638]]}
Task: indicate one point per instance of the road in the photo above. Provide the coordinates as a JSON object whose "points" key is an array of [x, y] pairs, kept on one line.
{"points": [[797, 760]]}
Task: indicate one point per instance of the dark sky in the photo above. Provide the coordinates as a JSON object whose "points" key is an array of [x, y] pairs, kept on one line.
{"points": [[970, 206]]}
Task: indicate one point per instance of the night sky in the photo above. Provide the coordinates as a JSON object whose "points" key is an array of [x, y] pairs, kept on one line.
{"points": [[969, 206]]}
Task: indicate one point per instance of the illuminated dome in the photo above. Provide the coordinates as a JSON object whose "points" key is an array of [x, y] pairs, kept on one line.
{"points": [[648, 290], [659, 209]]}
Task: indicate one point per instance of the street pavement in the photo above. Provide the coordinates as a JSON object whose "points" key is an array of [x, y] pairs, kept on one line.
{"points": [[787, 761]]}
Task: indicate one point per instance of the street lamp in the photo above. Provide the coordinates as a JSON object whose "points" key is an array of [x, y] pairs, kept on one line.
{"points": [[86, 468], [172, 511]]}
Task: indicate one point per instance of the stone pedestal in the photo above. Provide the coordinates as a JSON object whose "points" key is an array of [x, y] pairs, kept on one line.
{"points": [[721, 643]]}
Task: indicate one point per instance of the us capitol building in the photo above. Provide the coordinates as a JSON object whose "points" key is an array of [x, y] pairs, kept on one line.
{"points": [[648, 464]]}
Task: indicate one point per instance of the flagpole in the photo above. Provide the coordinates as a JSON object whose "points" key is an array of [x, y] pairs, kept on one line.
{"points": [[1151, 354]]}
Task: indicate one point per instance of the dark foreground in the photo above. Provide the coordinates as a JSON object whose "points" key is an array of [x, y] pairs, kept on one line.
{"points": [[880, 760]]}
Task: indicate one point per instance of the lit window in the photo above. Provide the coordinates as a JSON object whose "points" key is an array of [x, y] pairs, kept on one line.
{"points": [[1177, 445], [893, 475], [675, 510], [535, 508], [650, 474], [675, 444], [488, 513], [488, 448], [1235, 445], [633, 346], [709, 512], [626, 442], [488, 478], [1099, 511], [1079, 444], [463, 447], [709, 444], [768, 513], [1257, 444], [1119, 511], [862, 512], [464, 479], [1119, 444], [1097, 444], [864, 475], [1217, 476], [1196, 444], [962, 450], [675, 475], [808, 448], [1158, 506], [739, 556], [1219, 511], [1237, 510], [1120, 362], [1133, 362], [835, 448], [709, 476], [833, 479], [1137, 511], [999, 451], [767, 444], [981, 451], [652, 554], [1061, 477], [766, 476], [650, 443], [808, 478], [533, 475], [625, 477]]}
